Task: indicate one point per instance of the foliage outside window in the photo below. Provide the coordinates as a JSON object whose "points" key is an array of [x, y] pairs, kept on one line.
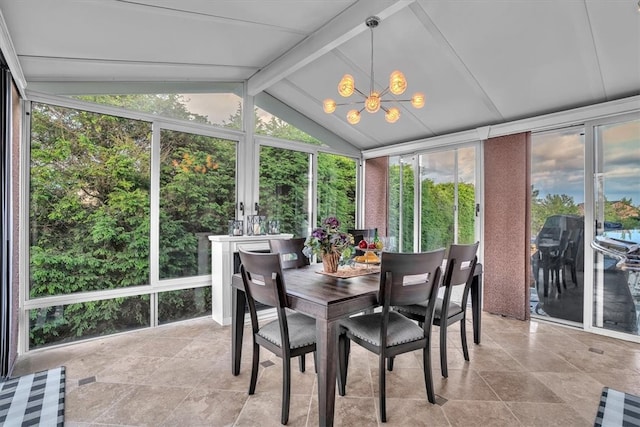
{"points": [[285, 177], [219, 109], [337, 188], [89, 205], [197, 198], [270, 125], [401, 203], [90, 218]]}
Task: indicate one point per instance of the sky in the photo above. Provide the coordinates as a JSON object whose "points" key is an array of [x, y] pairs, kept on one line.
{"points": [[557, 165], [557, 156]]}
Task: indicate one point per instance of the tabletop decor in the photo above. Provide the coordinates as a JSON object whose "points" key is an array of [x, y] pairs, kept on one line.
{"points": [[329, 243]]}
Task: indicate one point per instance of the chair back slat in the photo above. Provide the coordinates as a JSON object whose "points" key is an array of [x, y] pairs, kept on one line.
{"points": [[408, 278], [460, 271], [262, 278], [290, 250]]}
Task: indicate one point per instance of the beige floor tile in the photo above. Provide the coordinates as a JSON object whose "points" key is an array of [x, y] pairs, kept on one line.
{"points": [[523, 373], [161, 346], [519, 387], [144, 406], [209, 408], [547, 415], [478, 413], [578, 390], [463, 385], [264, 409], [130, 369], [87, 402], [413, 412], [177, 372]]}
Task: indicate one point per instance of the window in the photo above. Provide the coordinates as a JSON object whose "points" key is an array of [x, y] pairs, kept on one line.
{"points": [[401, 203], [101, 221], [89, 201], [221, 108], [337, 189], [448, 198], [285, 188], [197, 198], [557, 223]]}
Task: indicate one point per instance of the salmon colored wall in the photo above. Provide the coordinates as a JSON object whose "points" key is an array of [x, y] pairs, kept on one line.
{"points": [[507, 200], [375, 194]]}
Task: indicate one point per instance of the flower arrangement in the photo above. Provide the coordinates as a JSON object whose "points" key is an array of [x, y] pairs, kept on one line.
{"points": [[328, 241]]}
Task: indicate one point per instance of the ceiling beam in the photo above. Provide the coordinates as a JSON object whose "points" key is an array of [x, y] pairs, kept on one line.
{"points": [[342, 28], [9, 52]]}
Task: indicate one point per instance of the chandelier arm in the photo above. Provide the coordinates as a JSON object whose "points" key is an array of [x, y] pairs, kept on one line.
{"points": [[350, 103], [384, 92], [358, 91]]}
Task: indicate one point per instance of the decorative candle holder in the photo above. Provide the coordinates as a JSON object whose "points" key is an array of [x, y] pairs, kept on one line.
{"points": [[235, 227], [256, 225], [273, 227]]}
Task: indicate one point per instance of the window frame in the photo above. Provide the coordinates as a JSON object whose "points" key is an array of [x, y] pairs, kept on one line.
{"points": [[155, 285]]}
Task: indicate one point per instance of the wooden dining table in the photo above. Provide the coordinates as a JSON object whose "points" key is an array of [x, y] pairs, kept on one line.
{"points": [[328, 299]]}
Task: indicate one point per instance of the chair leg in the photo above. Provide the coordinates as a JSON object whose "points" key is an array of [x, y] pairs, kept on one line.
{"points": [[286, 389], [301, 362], [254, 368], [463, 338], [428, 376], [390, 363], [443, 349], [382, 389]]}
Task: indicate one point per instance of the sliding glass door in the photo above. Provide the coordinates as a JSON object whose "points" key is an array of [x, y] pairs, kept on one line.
{"points": [[433, 199], [448, 198], [557, 283], [616, 292]]}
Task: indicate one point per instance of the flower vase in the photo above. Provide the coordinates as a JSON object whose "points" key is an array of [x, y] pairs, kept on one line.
{"points": [[330, 262]]}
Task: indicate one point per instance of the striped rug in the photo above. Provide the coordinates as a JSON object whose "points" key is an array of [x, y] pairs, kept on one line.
{"points": [[618, 409], [33, 400]]}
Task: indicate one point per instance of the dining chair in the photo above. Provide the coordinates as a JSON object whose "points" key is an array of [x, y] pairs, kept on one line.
{"points": [[461, 263], [291, 256], [290, 251], [405, 278], [290, 335]]}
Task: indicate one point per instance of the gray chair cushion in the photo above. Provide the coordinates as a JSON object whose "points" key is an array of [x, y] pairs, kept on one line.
{"points": [[454, 308], [400, 329], [421, 308], [302, 331]]}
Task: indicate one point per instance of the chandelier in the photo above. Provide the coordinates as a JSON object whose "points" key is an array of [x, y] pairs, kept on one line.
{"points": [[373, 102]]}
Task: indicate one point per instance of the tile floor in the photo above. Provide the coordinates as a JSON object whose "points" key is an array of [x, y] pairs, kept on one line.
{"points": [[523, 374]]}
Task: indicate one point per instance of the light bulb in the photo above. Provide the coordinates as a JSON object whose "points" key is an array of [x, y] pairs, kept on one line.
{"points": [[329, 106], [417, 100], [372, 103], [346, 86], [397, 83], [353, 117], [392, 115]]}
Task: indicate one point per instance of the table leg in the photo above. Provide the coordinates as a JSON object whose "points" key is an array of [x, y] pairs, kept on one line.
{"points": [[476, 306], [326, 354], [238, 303]]}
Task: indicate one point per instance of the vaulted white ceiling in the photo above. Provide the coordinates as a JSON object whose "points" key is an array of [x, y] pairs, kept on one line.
{"points": [[479, 62]]}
